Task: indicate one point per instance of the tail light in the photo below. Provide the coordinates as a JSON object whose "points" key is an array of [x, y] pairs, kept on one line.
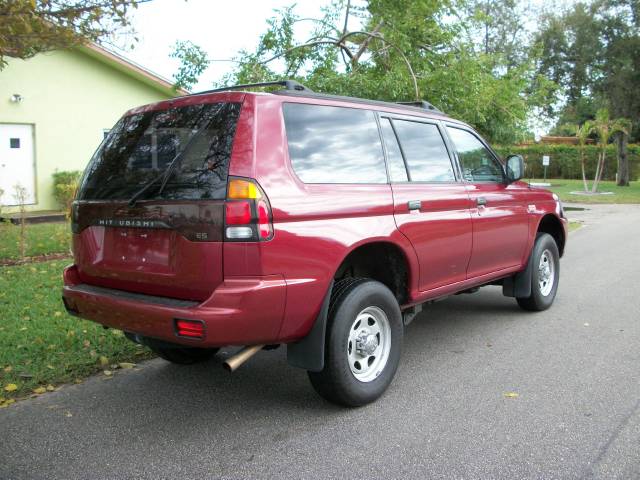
{"points": [[247, 212]]}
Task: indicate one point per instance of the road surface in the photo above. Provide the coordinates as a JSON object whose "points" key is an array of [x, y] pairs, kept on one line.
{"points": [[575, 370]]}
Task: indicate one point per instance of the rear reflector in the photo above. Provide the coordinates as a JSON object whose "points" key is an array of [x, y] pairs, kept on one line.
{"points": [[190, 328]]}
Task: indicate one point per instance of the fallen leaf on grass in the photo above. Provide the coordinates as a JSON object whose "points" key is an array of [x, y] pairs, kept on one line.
{"points": [[126, 365], [12, 387], [40, 390], [108, 372], [511, 395], [57, 314], [51, 367], [50, 388], [104, 361], [7, 369], [68, 414], [6, 403]]}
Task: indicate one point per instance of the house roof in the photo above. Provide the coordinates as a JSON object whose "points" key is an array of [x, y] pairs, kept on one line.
{"points": [[131, 68]]}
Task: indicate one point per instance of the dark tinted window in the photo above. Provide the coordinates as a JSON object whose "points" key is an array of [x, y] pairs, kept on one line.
{"points": [[141, 146], [333, 144], [397, 169], [425, 152], [478, 165]]}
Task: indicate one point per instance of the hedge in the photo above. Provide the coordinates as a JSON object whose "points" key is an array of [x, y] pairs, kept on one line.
{"points": [[565, 160]]}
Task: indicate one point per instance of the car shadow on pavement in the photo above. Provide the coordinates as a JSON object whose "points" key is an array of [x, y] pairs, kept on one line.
{"points": [[162, 402]]}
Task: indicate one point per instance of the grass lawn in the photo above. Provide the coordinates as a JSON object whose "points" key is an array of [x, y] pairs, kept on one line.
{"points": [[40, 345], [41, 238], [630, 194]]}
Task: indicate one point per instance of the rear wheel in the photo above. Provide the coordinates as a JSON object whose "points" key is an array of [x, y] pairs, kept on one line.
{"points": [[363, 343], [545, 274]]}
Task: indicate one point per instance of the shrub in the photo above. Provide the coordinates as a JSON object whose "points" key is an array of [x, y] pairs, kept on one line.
{"points": [[65, 185], [565, 160]]}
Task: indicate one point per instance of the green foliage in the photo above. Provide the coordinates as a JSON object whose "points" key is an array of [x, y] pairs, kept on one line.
{"points": [[29, 27], [41, 239], [404, 46], [564, 187], [592, 51], [65, 184], [565, 160], [40, 344], [193, 62]]}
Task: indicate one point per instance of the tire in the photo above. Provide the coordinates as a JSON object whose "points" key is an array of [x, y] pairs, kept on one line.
{"points": [[184, 355], [357, 373], [545, 274]]}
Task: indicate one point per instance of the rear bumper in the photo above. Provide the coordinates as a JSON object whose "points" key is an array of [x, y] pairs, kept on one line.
{"points": [[241, 311]]}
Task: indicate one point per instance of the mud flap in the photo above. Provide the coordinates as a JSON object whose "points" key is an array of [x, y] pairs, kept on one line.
{"points": [[519, 285], [308, 352]]}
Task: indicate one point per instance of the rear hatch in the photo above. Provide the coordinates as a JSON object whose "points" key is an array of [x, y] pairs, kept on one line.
{"points": [[150, 209]]}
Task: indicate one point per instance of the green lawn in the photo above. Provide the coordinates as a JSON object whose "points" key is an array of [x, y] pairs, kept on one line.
{"points": [[40, 345], [41, 238], [563, 188]]}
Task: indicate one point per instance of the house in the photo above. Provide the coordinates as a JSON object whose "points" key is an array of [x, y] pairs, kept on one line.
{"points": [[56, 108]]}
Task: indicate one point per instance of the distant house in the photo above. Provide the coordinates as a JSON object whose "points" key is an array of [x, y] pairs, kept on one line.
{"points": [[56, 108]]}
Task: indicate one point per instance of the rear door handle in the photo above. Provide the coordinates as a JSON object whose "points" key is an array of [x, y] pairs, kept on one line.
{"points": [[414, 204], [481, 201]]}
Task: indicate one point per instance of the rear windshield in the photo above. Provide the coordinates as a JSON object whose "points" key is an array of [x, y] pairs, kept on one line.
{"points": [[140, 147]]}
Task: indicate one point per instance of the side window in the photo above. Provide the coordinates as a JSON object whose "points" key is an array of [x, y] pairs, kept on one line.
{"points": [[334, 144], [397, 169], [478, 165], [424, 151]]}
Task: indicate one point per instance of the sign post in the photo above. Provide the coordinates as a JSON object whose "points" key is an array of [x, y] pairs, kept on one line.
{"points": [[545, 163]]}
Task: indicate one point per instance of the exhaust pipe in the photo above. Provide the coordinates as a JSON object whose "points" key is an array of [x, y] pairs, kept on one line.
{"points": [[233, 363]]}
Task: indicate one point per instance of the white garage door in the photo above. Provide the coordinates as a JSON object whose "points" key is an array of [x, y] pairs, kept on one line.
{"points": [[16, 162]]}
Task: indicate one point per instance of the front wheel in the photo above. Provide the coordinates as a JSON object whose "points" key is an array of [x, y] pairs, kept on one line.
{"points": [[363, 343], [545, 274]]}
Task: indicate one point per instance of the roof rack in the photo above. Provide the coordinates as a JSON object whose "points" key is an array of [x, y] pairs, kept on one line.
{"points": [[287, 84], [421, 104]]}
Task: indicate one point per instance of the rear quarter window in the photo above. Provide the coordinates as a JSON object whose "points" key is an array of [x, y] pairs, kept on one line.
{"points": [[334, 144]]}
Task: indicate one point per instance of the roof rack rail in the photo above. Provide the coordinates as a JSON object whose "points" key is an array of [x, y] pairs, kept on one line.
{"points": [[421, 104], [287, 84]]}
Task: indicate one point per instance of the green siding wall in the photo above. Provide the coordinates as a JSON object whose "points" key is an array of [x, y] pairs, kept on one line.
{"points": [[70, 98]]}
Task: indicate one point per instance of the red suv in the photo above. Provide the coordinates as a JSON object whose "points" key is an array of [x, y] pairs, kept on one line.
{"points": [[292, 217]]}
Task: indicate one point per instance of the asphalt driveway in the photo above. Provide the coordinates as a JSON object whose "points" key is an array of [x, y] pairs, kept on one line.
{"points": [[575, 370]]}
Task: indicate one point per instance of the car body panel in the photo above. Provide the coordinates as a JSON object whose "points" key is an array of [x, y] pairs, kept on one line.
{"points": [[272, 291]]}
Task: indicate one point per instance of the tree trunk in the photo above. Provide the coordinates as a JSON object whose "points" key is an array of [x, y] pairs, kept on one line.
{"points": [[584, 173], [599, 169], [623, 160]]}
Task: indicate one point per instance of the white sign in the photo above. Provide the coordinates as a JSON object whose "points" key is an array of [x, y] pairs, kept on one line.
{"points": [[545, 160]]}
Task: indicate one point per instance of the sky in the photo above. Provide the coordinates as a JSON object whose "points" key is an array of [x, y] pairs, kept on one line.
{"points": [[221, 28]]}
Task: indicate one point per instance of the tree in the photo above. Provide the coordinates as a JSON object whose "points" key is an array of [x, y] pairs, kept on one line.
{"points": [[582, 133], [498, 28], [404, 49], [28, 27], [604, 127], [592, 51], [622, 139], [193, 63]]}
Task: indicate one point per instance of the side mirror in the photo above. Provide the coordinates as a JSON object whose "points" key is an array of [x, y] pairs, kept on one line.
{"points": [[515, 168]]}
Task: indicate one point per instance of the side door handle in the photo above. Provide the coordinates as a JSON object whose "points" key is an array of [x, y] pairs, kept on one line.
{"points": [[481, 201], [414, 204]]}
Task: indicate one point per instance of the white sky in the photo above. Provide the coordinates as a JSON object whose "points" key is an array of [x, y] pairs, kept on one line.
{"points": [[221, 28]]}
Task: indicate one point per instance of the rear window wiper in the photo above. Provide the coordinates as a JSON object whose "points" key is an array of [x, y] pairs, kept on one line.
{"points": [[166, 174]]}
